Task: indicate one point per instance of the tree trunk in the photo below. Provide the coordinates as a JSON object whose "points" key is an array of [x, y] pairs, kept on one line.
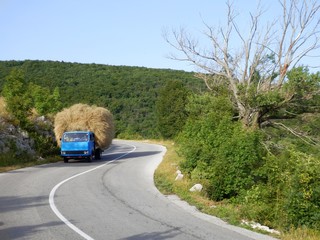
{"points": [[250, 118]]}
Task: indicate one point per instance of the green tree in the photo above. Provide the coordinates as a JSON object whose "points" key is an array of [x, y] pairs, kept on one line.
{"points": [[55, 101], [18, 100], [170, 108], [304, 88], [22, 97], [43, 101]]}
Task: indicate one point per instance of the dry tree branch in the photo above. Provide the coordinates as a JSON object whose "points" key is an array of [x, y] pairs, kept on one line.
{"points": [[301, 136], [271, 50]]}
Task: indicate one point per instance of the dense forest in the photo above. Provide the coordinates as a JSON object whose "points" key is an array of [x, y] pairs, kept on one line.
{"points": [[130, 93]]}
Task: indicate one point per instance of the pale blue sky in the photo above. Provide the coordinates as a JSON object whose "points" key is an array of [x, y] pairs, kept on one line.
{"points": [[118, 32]]}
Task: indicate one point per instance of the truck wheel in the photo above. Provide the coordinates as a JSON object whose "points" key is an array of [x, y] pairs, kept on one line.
{"points": [[97, 154], [89, 159], [65, 160]]}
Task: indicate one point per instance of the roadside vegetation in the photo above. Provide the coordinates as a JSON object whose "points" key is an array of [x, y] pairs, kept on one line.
{"points": [[266, 175], [233, 211], [26, 136], [253, 140]]}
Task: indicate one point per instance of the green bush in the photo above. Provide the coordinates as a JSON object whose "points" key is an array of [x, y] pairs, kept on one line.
{"points": [[14, 156], [239, 156], [303, 193], [218, 149], [290, 193], [44, 145]]}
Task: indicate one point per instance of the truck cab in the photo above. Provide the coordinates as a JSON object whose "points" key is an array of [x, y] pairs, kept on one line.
{"points": [[78, 144]]}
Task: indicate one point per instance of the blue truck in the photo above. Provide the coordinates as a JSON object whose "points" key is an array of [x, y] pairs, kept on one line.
{"points": [[79, 145]]}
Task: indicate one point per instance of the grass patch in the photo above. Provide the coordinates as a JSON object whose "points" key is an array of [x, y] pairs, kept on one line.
{"points": [[165, 181], [165, 173], [227, 210], [301, 233], [10, 163]]}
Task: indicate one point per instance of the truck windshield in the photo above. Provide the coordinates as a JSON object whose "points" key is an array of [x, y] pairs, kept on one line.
{"points": [[75, 137]]}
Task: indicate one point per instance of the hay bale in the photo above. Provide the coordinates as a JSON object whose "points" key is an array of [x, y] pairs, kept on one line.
{"points": [[82, 117]]}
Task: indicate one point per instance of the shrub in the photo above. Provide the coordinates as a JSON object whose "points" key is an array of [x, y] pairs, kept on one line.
{"points": [[239, 156], [303, 193], [291, 189], [44, 145], [15, 156], [218, 149]]}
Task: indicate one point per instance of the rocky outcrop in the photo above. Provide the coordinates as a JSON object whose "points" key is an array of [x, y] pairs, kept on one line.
{"points": [[13, 138]]}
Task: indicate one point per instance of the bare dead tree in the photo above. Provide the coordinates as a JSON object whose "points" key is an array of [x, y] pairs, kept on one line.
{"points": [[269, 50]]}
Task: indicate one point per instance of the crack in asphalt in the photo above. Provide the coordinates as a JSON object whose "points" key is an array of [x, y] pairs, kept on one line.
{"points": [[128, 205]]}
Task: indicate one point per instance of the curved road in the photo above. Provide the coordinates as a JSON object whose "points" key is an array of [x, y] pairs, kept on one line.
{"points": [[113, 198]]}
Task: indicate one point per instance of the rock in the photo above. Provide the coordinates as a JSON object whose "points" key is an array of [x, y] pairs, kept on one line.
{"points": [[179, 177], [13, 138], [11, 129], [24, 134], [255, 225], [196, 188], [41, 119]]}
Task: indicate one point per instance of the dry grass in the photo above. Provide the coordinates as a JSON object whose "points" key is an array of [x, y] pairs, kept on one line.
{"points": [[10, 168], [87, 118], [165, 175], [301, 233], [51, 159], [3, 111]]}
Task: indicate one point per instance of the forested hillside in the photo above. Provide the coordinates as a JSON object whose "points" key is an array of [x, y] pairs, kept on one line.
{"points": [[129, 93]]}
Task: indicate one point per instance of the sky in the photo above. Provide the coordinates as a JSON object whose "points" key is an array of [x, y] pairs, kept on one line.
{"points": [[117, 32]]}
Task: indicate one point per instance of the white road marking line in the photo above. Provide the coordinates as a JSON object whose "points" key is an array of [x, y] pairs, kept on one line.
{"points": [[55, 209]]}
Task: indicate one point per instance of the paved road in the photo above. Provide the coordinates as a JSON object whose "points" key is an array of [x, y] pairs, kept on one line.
{"points": [[113, 198]]}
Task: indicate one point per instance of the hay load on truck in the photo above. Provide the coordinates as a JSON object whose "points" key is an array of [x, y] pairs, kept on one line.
{"points": [[83, 131]]}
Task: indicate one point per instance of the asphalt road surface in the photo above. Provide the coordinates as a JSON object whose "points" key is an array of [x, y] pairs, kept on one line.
{"points": [[113, 198]]}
